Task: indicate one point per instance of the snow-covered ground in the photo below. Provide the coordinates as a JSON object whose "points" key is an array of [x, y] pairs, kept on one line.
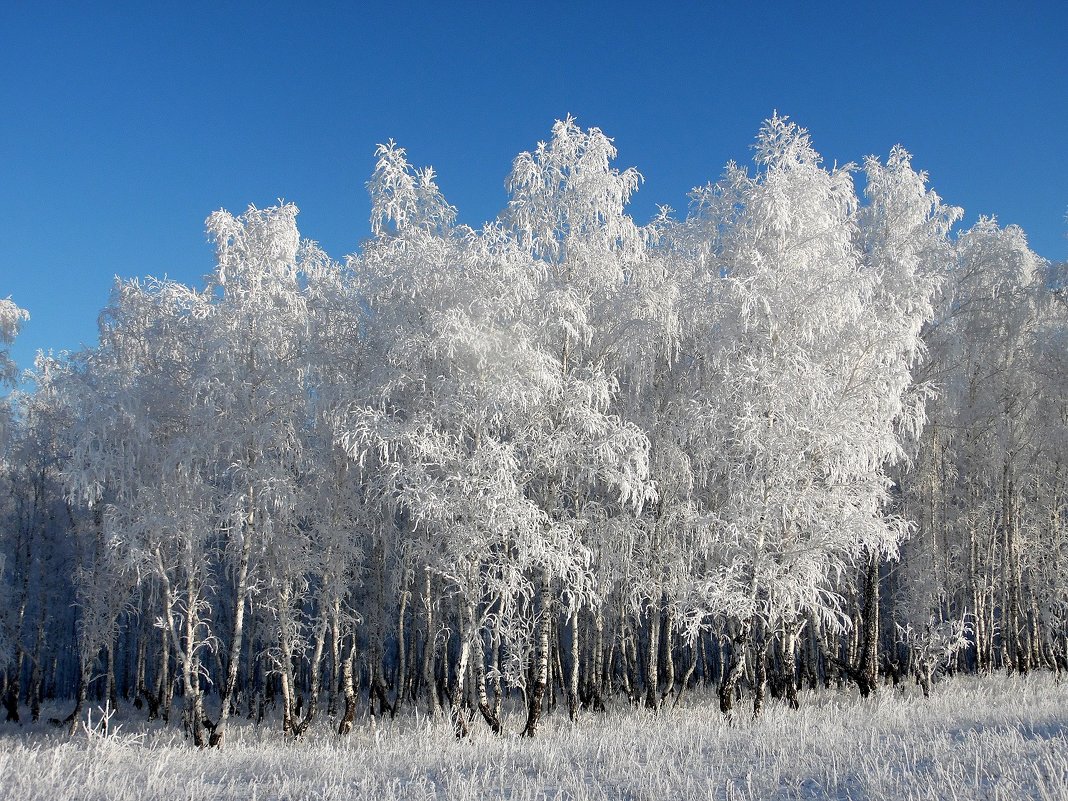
{"points": [[992, 738]]}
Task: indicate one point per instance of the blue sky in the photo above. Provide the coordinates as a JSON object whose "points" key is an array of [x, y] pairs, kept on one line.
{"points": [[126, 124]]}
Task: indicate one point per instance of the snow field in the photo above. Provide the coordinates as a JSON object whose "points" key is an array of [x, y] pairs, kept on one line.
{"points": [[988, 738]]}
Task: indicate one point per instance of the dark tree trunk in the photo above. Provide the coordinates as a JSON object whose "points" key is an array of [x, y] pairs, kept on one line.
{"points": [[868, 670], [735, 669], [541, 659]]}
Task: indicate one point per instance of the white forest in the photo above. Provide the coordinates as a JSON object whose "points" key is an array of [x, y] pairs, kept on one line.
{"points": [[801, 446]]}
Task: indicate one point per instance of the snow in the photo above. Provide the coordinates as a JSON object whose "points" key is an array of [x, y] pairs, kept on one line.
{"points": [[992, 737]]}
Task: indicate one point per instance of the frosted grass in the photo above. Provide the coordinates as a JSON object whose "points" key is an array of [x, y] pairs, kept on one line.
{"points": [[992, 738]]}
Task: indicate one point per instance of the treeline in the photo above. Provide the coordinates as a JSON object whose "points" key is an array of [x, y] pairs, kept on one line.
{"points": [[802, 436]]}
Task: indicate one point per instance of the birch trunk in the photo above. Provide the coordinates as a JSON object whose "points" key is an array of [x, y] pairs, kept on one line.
{"points": [[760, 667], [596, 682], [184, 644], [695, 650], [401, 682], [286, 637], [868, 669], [36, 674], [110, 689], [348, 688], [789, 665], [14, 687], [489, 714], [459, 720], [652, 659], [377, 688], [735, 669], [573, 667], [541, 658], [669, 655], [335, 656], [429, 680], [237, 631]]}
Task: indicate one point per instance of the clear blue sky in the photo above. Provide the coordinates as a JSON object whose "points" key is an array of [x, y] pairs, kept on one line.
{"points": [[126, 124]]}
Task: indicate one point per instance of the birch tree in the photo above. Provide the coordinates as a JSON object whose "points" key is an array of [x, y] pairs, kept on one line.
{"points": [[568, 210], [257, 385], [976, 457], [11, 319], [904, 228], [138, 466], [803, 398], [461, 377]]}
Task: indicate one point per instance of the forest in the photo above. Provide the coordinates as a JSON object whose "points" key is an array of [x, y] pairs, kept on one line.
{"points": [[812, 433]]}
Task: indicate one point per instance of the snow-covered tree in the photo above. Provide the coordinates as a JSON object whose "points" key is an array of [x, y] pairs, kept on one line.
{"points": [[587, 464], [11, 319], [977, 546], [811, 325], [561, 453]]}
